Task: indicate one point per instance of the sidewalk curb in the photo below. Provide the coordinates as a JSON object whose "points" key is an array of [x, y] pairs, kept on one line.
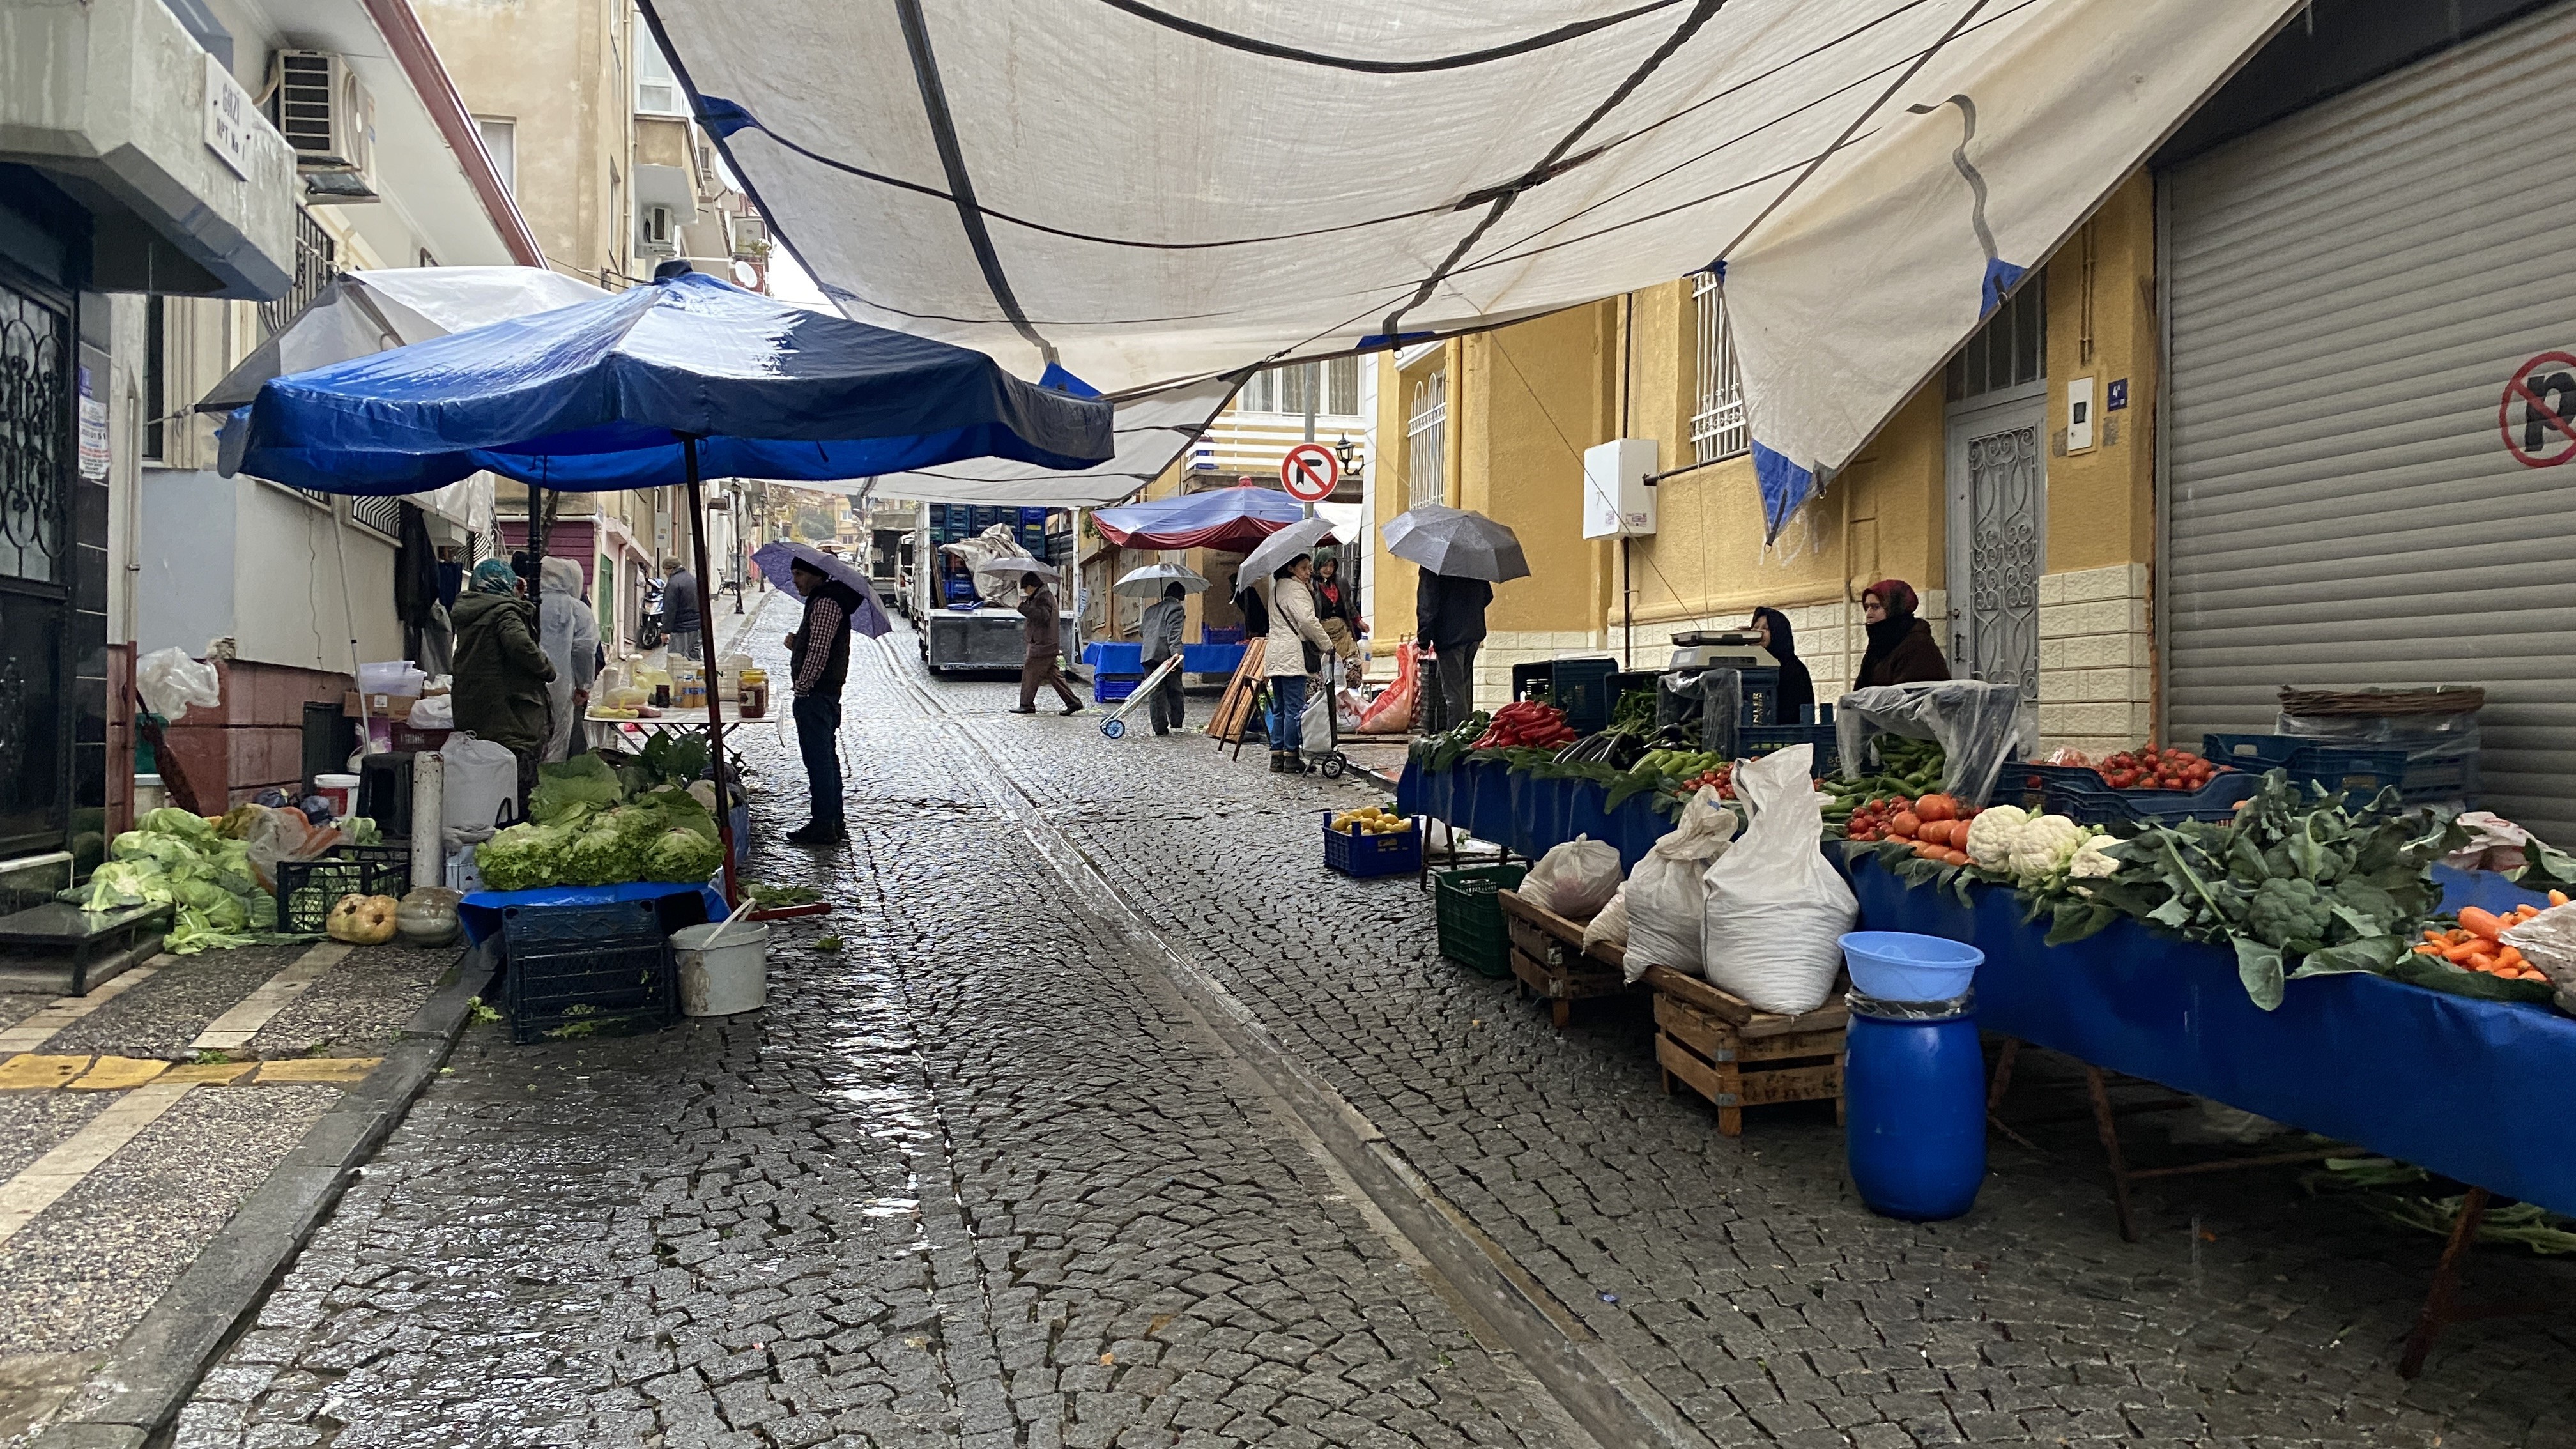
{"points": [[151, 1372]]}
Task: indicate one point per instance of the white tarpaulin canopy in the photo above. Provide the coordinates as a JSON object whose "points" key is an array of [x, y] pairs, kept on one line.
{"points": [[1149, 431], [1150, 192]]}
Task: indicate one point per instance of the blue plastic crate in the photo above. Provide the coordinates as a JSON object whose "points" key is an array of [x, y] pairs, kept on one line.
{"points": [[1108, 688], [1210, 634], [2080, 795], [1113, 658], [2358, 775], [1752, 742], [1367, 856]]}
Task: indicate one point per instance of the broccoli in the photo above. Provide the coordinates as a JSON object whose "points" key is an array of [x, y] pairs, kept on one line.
{"points": [[2365, 899], [2287, 911]]}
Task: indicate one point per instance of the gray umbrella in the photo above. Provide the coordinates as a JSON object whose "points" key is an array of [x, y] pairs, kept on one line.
{"points": [[1149, 581], [1456, 543], [1012, 568], [1271, 553]]}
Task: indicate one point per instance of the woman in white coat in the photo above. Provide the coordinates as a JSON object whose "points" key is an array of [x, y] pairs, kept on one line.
{"points": [[1293, 629], [569, 634]]}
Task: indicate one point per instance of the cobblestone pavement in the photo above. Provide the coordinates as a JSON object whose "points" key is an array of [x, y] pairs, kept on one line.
{"points": [[996, 1172]]}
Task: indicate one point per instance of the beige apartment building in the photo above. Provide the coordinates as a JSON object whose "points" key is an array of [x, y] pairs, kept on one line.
{"points": [[590, 127]]}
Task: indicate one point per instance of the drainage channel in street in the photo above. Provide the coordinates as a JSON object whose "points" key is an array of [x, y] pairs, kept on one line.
{"points": [[1562, 1364]]}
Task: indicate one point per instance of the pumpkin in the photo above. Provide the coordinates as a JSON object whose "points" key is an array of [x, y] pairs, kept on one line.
{"points": [[362, 920]]}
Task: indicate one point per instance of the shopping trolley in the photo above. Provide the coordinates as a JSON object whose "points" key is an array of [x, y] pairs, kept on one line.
{"points": [[1116, 725]]}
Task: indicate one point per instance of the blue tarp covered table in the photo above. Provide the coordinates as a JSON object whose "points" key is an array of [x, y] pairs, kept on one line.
{"points": [[2454, 1084], [1211, 658], [481, 911], [1528, 815]]}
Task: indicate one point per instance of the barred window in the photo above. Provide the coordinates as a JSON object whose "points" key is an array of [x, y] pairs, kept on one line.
{"points": [[1718, 428], [1333, 384], [1426, 441]]}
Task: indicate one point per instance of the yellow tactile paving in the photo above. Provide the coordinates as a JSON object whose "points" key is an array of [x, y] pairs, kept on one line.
{"points": [[341, 1071], [216, 1074], [114, 1074], [28, 1071]]}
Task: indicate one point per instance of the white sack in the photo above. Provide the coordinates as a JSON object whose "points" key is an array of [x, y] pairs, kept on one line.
{"points": [[170, 682], [1315, 724], [1610, 928], [482, 787], [1776, 910], [1664, 891], [1574, 879]]}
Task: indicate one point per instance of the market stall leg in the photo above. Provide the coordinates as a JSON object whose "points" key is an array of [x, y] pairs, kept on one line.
{"points": [[715, 700]]}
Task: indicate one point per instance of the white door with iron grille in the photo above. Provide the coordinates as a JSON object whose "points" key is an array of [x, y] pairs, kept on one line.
{"points": [[1997, 529]]}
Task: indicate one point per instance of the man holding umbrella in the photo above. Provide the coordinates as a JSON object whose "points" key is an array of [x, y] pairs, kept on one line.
{"points": [[1462, 556]]}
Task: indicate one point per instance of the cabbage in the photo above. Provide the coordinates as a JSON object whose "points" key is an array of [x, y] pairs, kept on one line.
{"points": [[186, 825], [581, 780], [122, 883], [192, 932], [682, 855], [600, 855], [522, 857]]}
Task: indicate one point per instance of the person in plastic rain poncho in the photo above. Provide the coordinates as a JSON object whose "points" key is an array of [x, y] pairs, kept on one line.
{"points": [[1901, 649], [569, 633], [501, 672]]}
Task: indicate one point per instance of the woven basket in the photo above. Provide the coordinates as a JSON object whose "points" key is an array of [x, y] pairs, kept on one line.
{"points": [[2442, 699]]}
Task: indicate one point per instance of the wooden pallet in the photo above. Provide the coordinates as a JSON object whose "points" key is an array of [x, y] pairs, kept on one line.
{"points": [[1550, 962], [1721, 1047]]}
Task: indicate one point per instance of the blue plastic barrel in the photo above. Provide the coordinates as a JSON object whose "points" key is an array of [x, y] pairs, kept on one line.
{"points": [[1914, 1110]]}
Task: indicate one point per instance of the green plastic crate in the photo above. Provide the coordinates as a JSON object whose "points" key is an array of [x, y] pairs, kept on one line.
{"points": [[1471, 918]]}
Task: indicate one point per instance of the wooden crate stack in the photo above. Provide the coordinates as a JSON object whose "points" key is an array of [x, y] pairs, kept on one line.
{"points": [[1721, 1047], [1549, 960]]}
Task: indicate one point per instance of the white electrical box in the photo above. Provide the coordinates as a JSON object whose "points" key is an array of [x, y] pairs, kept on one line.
{"points": [[2079, 414], [1617, 500]]}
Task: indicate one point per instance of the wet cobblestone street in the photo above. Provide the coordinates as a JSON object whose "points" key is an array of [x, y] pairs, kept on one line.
{"points": [[1114, 1118]]}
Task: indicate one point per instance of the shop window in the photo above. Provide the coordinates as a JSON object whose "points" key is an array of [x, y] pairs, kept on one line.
{"points": [[2010, 350], [1718, 427], [1426, 441]]}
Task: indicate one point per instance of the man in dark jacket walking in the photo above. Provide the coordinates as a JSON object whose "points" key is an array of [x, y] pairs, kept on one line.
{"points": [[1037, 606], [501, 670], [680, 619], [1449, 615], [818, 662]]}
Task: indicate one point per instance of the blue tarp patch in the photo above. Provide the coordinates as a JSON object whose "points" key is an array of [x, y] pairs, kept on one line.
{"points": [[722, 117], [2001, 277], [1784, 486]]}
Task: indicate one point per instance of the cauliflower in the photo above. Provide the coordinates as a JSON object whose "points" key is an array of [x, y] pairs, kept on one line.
{"points": [[2093, 859], [1991, 834], [2043, 846]]}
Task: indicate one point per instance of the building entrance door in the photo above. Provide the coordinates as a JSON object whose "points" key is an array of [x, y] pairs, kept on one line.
{"points": [[36, 459], [1998, 476]]}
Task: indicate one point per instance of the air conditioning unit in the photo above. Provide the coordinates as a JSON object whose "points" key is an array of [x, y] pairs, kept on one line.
{"points": [[657, 233], [323, 110], [1618, 501]]}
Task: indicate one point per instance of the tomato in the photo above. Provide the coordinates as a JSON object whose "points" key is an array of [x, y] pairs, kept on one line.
{"points": [[1937, 807], [1905, 825]]}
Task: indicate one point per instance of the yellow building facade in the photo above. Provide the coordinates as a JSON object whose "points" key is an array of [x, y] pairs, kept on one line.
{"points": [[1498, 422]]}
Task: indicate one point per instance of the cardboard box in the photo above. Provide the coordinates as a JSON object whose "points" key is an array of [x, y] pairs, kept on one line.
{"points": [[379, 706]]}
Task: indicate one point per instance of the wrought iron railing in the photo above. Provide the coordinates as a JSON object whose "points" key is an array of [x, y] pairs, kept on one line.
{"points": [[317, 261]]}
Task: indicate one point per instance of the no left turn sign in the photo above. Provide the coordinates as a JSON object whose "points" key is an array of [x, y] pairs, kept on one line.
{"points": [[1310, 471], [2538, 413]]}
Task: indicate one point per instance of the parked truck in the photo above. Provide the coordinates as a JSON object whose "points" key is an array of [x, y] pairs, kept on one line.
{"points": [[957, 629]]}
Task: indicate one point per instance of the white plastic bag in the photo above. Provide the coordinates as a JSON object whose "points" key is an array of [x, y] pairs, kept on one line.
{"points": [[434, 712], [1776, 909], [482, 783], [1610, 928], [1663, 892], [2548, 942], [1575, 879], [170, 682]]}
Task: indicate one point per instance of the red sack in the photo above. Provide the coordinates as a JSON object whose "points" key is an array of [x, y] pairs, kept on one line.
{"points": [[1392, 712]]}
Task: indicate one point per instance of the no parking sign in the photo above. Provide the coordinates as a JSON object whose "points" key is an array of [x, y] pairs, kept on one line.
{"points": [[2538, 413]]}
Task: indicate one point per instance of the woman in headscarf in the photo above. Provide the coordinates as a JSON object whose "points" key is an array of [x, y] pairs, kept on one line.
{"points": [[501, 672], [1901, 649], [1797, 688]]}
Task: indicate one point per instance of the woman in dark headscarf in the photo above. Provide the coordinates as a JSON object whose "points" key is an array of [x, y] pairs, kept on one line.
{"points": [[1901, 650], [1797, 689]]}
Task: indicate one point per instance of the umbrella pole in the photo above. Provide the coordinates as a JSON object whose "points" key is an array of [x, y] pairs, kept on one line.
{"points": [[715, 696]]}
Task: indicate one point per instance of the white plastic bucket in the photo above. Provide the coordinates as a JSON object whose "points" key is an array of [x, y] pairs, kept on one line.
{"points": [[734, 977], [340, 790]]}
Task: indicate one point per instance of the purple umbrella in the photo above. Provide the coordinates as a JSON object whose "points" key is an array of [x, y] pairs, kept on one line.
{"points": [[774, 560]]}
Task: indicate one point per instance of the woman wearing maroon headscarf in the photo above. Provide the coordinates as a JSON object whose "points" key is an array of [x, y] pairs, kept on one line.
{"points": [[1901, 649]]}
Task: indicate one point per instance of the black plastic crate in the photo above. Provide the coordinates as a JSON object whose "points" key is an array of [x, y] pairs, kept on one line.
{"points": [[1752, 742], [571, 971], [308, 889]]}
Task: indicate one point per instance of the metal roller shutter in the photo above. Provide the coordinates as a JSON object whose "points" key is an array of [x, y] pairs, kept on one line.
{"points": [[2348, 293]]}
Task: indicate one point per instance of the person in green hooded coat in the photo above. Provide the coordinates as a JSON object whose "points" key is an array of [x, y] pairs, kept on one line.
{"points": [[501, 671]]}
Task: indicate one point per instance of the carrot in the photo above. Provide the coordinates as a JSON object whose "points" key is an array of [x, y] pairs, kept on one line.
{"points": [[2433, 936], [2480, 923], [2461, 951], [2428, 950], [2558, 898], [2509, 956]]}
